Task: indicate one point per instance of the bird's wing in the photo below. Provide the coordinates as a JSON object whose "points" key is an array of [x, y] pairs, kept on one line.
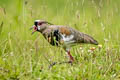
{"points": [[71, 35], [80, 37]]}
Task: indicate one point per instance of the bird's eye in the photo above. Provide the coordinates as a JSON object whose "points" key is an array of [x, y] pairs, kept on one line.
{"points": [[39, 23]]}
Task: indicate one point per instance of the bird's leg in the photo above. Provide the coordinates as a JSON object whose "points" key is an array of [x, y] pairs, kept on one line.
{"points": [[70, 61], [70, 56]]}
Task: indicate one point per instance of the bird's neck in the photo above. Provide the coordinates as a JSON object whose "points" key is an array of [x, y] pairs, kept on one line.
{"points": [[43, 28]]}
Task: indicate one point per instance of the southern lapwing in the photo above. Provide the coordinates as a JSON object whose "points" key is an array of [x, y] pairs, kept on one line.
{"points": [[64, 36]]}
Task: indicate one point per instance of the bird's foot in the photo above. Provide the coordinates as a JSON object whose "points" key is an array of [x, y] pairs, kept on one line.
{"points": [[51, 65], [70, 62], [54, 63], [65, 62]]}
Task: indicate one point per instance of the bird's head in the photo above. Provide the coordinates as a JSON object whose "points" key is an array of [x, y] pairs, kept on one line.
{"points": [[39, 25]]}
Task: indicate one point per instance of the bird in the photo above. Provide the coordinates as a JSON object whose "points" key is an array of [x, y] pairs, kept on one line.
{"points": [[62, 36]]}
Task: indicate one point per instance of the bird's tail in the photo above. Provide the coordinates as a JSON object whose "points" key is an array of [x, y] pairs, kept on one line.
{"points": [[89, 39]]}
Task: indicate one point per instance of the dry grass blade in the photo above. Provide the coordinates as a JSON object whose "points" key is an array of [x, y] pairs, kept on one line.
{"points": [[4, 10], [1, 27]]}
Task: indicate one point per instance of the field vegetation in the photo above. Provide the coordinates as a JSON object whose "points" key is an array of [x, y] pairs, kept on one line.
{"points": [[26, 57]]}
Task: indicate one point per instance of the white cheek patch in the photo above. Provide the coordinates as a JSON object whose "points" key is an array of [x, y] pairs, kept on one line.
{"points": [[38, 27]]}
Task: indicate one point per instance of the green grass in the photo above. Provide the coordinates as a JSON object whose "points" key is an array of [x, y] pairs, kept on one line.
{"points": [[27, 57]]}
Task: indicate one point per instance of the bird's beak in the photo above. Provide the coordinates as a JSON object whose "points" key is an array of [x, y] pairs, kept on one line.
{"points": [[32, 27], [33, 32], [35, 29]]}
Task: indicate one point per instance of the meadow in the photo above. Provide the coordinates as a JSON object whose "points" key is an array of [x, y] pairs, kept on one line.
{"points": [[26, 57]]}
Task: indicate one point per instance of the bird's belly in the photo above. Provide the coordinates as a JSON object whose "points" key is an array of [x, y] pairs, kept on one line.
{"points": [[69, 43]]}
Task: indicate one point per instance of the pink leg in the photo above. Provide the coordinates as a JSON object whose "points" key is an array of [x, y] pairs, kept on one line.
{"points": [[70, 56]]}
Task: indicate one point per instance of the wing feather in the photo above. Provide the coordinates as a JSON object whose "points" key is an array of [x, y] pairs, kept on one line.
{"points": [[83, 38]]}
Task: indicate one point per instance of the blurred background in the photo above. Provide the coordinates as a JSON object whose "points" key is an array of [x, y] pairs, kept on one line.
{"points": [[23, 56], [89, 16]]}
